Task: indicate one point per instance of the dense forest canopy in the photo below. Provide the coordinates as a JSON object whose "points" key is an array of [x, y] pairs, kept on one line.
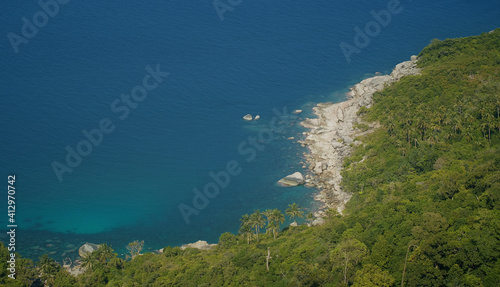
{"points": [[425, 209]]}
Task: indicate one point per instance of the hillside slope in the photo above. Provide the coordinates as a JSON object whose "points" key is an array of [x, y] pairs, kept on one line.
{"points": [[426, 198]]}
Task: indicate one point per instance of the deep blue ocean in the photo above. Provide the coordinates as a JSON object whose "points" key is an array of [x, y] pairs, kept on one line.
{"points": [[253, 57]]}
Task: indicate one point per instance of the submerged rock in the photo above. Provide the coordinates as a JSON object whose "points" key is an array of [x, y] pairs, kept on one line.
{"points": [[292, 180]]}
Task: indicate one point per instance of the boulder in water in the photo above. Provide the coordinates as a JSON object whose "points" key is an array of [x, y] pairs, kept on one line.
{"points": [[292, 180], [87, 248]]}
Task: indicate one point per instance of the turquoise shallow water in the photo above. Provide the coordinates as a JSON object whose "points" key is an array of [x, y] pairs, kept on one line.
{"points": [[262, 56]]}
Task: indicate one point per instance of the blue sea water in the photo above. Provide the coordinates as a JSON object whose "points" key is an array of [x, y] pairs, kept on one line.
{"points": [[263, 56]]}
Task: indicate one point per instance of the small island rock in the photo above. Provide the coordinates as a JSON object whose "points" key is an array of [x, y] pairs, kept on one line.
{"points": [[87, 248], [256, 117], [248, 117], [292, 180]]}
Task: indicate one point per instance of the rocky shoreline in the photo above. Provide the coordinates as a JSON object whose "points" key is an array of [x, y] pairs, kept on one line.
{"points": [[334, 132]]}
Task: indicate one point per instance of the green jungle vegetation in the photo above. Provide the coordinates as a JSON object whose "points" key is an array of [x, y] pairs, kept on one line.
{"points": [[425, 209]]}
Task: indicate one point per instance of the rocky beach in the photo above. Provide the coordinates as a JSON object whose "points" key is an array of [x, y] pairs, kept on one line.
{"points": [[334, 132]]}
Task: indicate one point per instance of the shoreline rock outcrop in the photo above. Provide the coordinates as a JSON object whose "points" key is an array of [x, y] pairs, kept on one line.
{"points": [[333, 133], [200, 244]]}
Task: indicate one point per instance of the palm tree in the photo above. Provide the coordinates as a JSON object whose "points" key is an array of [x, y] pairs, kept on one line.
{"points": [[489, 123], [278, 219], [497, 103], [272, 227], [104, 253], [270, 220], [459, 104], [278, 216], [48, 267], [468, 134], [90, 260], [433, 138], [310, 218], [269, 215], [497, 124], [245, 227], [257, 221], [293, 211]]}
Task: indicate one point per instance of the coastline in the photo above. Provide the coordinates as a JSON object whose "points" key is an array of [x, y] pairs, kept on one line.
{"points": [[333, 134]]}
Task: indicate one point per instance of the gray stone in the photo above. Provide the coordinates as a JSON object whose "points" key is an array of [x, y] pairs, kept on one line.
{"points": [[318, 169], [318, 221], [292, 180], [200, 244], [87, 248], [336, 144], [347, 139], [248, 117]]}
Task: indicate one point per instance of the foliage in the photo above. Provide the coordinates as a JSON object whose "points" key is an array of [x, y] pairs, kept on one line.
{"points": [[135, 248], [426, 199], [293, 211]]}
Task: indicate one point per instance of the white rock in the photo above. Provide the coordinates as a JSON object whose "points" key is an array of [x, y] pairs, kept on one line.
{"points": [[318, 168], [347, 139], [87, 248], [200, 244], [292, 180], [318, 221], [256, 117], [248, 117], [336, 144], [340, 114], [297, 112]]}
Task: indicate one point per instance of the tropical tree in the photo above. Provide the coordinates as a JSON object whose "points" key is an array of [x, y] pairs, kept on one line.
{"points": [[310, 218], [90, 260], [272, 227], [293, 211], [48, 268], [372, 275], [269, 215], [278, 217], [274, 219], [135, 248], [245, 227], [105, 253], [348, 253], [490, 123], [257, 221]]}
